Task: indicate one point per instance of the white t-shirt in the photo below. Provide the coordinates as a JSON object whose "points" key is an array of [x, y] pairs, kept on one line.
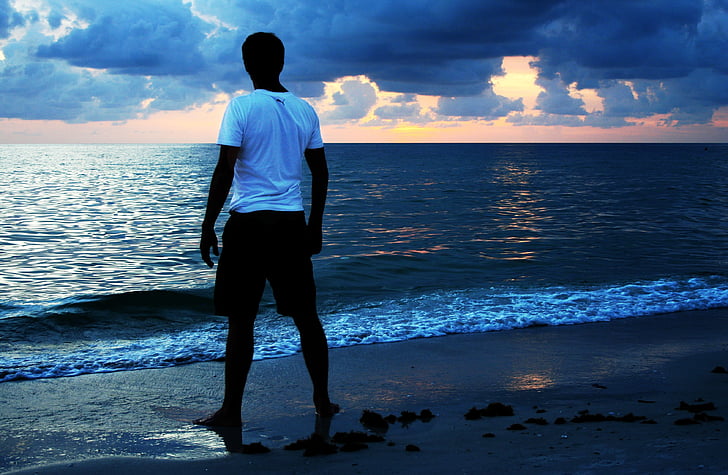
{"points": [[272, 129]]}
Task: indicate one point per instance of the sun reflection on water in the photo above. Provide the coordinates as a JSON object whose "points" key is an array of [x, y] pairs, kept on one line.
{"points": [[531, 381], [518, 214]]}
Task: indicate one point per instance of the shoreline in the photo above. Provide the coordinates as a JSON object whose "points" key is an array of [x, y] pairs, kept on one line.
{"points": [[141, 420]]}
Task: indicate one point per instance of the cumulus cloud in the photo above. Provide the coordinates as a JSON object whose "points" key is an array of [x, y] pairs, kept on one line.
{"points": [[487, 106], [595, 119], [410, 111], [555, 98], [354, 101], [110, 60]]}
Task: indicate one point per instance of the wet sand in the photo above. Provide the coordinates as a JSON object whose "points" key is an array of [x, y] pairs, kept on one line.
{"points": [[616, 388]]}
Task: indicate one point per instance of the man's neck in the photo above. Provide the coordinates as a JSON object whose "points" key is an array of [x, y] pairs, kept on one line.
{"points": [[269, 84]]}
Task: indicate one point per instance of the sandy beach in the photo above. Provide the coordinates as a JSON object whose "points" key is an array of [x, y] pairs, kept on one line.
{"points": [[616, 388]]}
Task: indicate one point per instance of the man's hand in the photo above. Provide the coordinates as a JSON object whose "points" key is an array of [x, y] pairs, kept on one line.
{"points": [[314, 238], [222, 179], [316, 160], [208, 240]]}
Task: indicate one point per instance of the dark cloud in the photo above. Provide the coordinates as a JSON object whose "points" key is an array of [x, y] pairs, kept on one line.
{"points": [[9, 19], [453, 78], [668, 49], [488, 106], [55, 91], [425, 47], [622, 40], [689, 100], [555, 98], [55, 19], [134, 37], [672, 53], [61, 94], [621, 100]]}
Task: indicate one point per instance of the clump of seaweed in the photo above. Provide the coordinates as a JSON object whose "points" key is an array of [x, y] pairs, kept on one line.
{"points": [[374, 421], [313, 445], [585, 416], [494, 409]]}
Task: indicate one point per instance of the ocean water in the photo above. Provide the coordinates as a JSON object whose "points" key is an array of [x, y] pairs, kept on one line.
{"points": [[100, 268]]}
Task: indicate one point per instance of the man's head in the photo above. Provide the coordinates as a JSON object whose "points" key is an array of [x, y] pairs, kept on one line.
{"points": [[263, 54]]}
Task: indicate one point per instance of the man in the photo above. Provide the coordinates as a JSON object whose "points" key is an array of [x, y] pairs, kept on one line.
{"points": [[263, 139]]}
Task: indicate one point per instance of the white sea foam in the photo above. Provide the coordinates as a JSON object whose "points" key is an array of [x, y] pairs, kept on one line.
{"points": [[397, 319], [482, 310]]}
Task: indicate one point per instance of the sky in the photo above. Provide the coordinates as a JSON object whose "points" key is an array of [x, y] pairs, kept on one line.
{"points": [[132, 71]]}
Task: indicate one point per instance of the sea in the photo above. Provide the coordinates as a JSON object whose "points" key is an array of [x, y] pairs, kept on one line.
{"points": [[100, 268]]}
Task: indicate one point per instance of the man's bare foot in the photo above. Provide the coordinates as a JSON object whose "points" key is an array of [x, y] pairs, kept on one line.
{"points": [[220, 419], [327, 410]]}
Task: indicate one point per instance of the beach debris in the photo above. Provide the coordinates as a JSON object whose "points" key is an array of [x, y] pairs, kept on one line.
{"points": [[698, 414], [516, 427], [537, 420], [350, 441], [585, 416], [645, 401], [497, 409], [300, 444], [254, 448], [629, 417], [703, 417], [700, 407], [488, 435], [598, 386], [719, 370], [407, 418], [697, 418], [313, 445], [473, 414], [494, 409], [373, 421], [426, 415]]}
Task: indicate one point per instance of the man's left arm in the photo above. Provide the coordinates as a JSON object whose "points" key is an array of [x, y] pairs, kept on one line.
{"points": [[316, 160], [222, 179]]}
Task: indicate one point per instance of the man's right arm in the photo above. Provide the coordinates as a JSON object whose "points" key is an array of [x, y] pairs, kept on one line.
{"points": [[222, 179], [316, 160]]}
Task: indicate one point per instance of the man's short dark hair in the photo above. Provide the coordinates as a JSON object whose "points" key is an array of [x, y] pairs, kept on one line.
{"points": [[263, 53]]}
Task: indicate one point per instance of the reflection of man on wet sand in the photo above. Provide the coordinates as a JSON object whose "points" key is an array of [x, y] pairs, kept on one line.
{"points": [[263, 138]]}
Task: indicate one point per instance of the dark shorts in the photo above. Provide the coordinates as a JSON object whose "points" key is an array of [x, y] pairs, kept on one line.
{"points": [[265, 246]]}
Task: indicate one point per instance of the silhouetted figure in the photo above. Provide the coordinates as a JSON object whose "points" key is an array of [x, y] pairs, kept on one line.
{"points": [[263, 139]]}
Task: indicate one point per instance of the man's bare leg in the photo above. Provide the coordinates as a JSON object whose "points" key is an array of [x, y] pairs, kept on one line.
{"points": [[238, 358], [316, 355]]}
